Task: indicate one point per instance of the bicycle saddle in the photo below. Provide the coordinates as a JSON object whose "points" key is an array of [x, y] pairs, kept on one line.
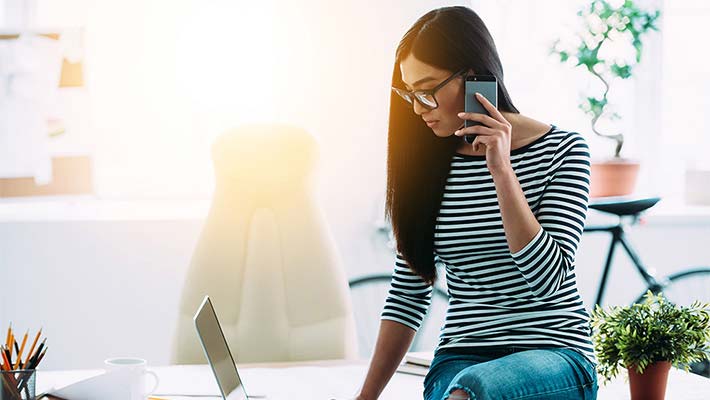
{"points": [[623, 205]]}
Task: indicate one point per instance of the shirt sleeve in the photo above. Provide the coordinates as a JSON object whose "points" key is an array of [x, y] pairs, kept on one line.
{"points": [[408, 298], [547, 259]]}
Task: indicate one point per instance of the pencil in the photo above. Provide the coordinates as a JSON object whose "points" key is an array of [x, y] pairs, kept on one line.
{"points": [[6, 362], [7, 366], [35, 360], [41, 356], [8, 354], [12, 339], [39, 350], [17, 351], [29, 354], [22, 348], [9, 332]]}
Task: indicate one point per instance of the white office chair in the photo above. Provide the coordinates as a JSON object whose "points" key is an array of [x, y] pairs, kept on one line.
{"points": [[266, 256]]}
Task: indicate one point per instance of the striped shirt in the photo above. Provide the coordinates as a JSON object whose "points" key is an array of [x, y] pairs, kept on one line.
{"points": [[497, 298]]}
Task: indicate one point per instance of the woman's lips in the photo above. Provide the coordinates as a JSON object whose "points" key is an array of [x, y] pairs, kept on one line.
{"points": [[432, 123]]}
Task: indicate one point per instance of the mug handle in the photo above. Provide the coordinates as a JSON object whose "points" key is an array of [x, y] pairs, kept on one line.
{"points": [[157, 381]]}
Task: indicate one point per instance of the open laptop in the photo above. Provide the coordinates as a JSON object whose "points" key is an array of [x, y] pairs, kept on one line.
{"points": [[218, 354]]}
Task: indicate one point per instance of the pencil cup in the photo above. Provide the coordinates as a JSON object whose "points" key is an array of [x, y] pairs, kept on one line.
{"points": [[18, 384]]}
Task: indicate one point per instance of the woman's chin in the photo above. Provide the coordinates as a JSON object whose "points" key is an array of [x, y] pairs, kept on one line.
{"points": [[442, 133]]}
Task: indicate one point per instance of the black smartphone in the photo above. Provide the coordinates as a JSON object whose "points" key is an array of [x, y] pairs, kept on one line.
{"points": [[487, 85]]}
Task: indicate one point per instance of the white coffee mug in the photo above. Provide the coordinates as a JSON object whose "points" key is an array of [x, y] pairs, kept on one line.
{"points": [[129, 374]]}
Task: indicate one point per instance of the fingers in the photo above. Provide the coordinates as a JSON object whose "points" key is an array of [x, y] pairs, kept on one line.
{"points": [[486, 141], [491, 108], [477, 142], [482, 118], [477, 129]]}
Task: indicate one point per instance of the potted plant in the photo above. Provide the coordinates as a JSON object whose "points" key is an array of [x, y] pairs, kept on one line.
{"points": [[604, 25], [647, 338]]}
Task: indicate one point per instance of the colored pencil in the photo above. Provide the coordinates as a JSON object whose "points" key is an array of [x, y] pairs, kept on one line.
{"points": [[8, 354], [6, 363]]}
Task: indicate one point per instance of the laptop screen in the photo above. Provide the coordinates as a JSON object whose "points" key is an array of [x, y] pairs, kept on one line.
{"points": [[217, 351]]}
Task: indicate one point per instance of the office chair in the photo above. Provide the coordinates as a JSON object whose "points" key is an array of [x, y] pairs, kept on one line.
{"points": [[266, 256]]}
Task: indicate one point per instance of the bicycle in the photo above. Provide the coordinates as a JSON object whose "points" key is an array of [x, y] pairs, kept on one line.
{"points": [[378, 284], [669, 285], [682, 287]]}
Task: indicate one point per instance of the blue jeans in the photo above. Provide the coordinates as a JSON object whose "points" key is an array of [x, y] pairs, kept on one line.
{"points": [[511, 373]]}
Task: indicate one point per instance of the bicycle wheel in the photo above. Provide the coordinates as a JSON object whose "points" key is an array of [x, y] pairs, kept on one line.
{"points": [[368, 294], [683, 288]]}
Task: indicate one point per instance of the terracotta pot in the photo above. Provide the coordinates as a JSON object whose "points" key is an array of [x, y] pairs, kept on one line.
{"points": [[614, 177], [651, 385]]}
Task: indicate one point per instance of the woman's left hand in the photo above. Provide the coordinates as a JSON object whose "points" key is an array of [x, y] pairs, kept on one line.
{"points": [[494, 134]]}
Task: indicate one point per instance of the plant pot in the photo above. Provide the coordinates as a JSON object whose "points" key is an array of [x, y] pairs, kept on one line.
{"points": [[651, 385], [614, 177]]}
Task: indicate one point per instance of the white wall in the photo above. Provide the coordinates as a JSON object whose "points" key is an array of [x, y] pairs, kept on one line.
{"points": [[98, 288], [111, 287]]}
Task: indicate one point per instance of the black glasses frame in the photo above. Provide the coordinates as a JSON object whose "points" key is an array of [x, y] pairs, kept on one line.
{"points": [[408, 96]]}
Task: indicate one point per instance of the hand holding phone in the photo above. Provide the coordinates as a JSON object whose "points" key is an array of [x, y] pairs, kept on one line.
{"points": [[486, 85]]}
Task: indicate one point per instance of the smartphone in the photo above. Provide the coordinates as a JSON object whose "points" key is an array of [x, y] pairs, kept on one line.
{"points": [[487, 85]]}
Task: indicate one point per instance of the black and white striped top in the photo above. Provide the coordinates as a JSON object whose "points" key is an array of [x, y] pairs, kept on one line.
{"points": [[498, 298]]}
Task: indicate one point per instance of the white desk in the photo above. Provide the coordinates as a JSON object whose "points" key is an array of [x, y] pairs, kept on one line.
{"points": [[334, 379]]}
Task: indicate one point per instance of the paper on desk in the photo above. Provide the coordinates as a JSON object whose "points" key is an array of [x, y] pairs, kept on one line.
{"points": [[339, 382], [106, 386], [186, 380], [49, 380], [275, 383]]}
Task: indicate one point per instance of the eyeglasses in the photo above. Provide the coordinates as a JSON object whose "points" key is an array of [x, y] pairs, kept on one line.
{"points": [[426, 97]]}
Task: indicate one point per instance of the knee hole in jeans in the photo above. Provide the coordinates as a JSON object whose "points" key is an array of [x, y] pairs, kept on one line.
{"points": [[458, 392]]}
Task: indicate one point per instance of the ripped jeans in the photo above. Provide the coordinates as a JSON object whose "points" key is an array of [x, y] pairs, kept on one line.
{"points": [[511, 373]]}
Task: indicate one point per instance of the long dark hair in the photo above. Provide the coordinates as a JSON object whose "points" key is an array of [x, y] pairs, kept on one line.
{"points": [[418, 161]]}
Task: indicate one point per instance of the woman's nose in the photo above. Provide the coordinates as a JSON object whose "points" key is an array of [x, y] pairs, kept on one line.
{"points": [[418, 108]]}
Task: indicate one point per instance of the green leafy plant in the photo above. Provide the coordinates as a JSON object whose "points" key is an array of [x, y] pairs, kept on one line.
{"points": [[604, 24], [636, 336]]}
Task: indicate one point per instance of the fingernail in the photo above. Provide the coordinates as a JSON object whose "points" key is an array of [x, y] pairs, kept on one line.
{"points": [[478, 94], [457, 132]]}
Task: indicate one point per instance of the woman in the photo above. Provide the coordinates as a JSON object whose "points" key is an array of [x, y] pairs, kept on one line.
{"points": [[503, 216]]}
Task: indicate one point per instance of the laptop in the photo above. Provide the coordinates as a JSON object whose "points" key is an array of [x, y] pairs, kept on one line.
{"points": [[218, 354]]}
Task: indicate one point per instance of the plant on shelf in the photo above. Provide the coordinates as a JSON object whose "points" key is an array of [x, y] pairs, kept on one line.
{"points": [[603, 23], [647, 338]]}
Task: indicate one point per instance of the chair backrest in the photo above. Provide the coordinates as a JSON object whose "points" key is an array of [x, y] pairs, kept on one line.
{"points": [[266, 256]]}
